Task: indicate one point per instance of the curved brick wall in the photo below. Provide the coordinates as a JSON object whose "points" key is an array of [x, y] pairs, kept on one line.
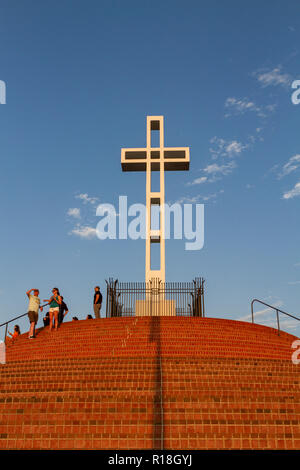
{"points": [[151, 383]]}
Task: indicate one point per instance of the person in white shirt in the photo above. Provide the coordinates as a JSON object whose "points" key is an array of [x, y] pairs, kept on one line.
{"points": [[33, 310]]}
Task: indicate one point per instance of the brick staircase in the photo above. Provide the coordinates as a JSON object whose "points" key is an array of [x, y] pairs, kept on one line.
{"points": [[151, 383]]}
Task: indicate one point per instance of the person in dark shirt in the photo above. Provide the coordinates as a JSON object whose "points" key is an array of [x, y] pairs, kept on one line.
{"points": [[63, 310], [97, 302], [46, 319]]}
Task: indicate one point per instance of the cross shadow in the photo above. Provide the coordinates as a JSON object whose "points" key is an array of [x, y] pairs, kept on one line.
{"points": [[158, 418]]}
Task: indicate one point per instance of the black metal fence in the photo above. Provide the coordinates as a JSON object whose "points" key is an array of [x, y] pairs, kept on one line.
{"points": [[155, 298]]}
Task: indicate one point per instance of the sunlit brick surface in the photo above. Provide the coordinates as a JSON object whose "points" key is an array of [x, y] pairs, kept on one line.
{"points": [[151, 383]]}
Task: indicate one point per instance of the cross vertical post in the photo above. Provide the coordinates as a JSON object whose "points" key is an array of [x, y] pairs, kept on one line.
{"points": [[150, 159]]}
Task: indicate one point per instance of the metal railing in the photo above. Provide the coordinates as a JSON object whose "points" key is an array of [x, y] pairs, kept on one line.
{"points": [[155, 298], [278, 310], [13, 319], [9, 321]]}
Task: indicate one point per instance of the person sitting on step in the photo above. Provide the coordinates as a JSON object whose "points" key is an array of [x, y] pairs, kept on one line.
{"points": [[15, 334], [46, 319]]}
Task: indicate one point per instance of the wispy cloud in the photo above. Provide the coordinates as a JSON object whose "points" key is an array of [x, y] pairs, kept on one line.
{"points": [[263, 311], [86, 199], [292, 165], [198, 198], [293, 283], [84, 231], [215, 168], [84, 228], [223, 148], [294, 192], [74, 212], [201, 180], [273, 77], [236, 106]]}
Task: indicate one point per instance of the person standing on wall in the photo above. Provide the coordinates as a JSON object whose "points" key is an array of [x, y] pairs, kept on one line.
{"points": [[54, 302], [97, 302], [63, 310]]}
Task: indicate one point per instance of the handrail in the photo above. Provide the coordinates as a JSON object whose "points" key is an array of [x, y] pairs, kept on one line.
{"points": [[13, 319], [274, 308]]}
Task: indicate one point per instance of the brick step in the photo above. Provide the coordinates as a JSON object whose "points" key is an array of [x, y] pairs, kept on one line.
{"points": [[274, 377], [193, 396], [134, 362], [146, 415], [62, 404], [63, 339], [80, 443], [146, 432], [212, 349], [185, 373], [173, 387], [152, 375], [143, 426], [167, 443], [177, 352], [262, 398], [150, 371], [231, 442], [246, 406], [192, 335], [183, 442], [235, 329], [170, 383]]}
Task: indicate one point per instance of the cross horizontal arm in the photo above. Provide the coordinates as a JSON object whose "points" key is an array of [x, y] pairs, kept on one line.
{"points": [[174, 158], [134, 159]]}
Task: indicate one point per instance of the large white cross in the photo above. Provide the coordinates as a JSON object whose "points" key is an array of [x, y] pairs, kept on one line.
{"points": [[151, 159]]}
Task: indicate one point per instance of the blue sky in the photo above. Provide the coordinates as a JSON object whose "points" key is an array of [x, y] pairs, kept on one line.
{"points": [[81, 77]]}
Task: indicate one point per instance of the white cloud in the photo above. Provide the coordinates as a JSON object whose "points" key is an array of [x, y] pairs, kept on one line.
{"points": [[200, 180], [241, 106], [84, 231], [263, 311], [274, 77], [293, 192], [223, 148], [85, 198], [198, 198], [292, 165], [234, 148], [214, 168], [293, 283], [74, 212]]}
